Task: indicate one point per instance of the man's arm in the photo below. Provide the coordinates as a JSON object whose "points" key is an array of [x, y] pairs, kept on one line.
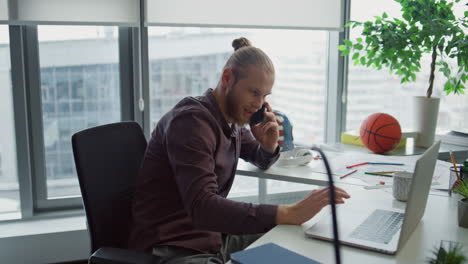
{"points": [[191, 146], [302, 211], [260, 147], [252, 151]]}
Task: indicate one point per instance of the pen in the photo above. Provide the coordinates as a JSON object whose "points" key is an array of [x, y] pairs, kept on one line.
{"points": [[386, 171], [347, 174], [385, 163], [355, 165], [378, 174], [377, 187]]}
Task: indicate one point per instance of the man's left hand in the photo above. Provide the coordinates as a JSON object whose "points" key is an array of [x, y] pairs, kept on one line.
{"points": [[267, 132]]}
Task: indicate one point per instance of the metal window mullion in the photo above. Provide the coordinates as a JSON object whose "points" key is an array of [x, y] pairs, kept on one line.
{"points": [[344, 66], [127, 94], [33, 88], [137, 92], [145, 81], [336, 95], [141, 60], [18, 77]]}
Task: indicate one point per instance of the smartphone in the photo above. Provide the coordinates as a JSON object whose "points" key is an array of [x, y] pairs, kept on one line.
{"points": [[258, 116]]}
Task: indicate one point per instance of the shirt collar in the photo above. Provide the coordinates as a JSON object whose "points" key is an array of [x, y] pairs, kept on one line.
{"points": [[216, 111]]}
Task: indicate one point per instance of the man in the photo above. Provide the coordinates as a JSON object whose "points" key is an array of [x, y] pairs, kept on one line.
{"points": [[180, 210]]}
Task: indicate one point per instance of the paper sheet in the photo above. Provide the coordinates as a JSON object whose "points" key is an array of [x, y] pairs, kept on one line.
{"points": [[338, 163]]}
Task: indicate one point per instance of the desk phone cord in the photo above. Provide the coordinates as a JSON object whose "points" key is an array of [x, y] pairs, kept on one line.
{"points": [[336, 240]]}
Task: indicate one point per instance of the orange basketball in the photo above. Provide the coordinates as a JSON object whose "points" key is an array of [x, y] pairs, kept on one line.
{"points": [[380, 132]]}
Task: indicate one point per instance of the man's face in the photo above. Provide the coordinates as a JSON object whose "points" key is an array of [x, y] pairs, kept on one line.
{"points": [[246, 95]]}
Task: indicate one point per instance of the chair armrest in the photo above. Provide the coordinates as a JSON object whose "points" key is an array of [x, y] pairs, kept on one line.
{"points": [[107, 255]]}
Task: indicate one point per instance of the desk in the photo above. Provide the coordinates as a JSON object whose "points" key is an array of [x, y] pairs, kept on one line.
{"points": [[309, 174], [438, 223]]}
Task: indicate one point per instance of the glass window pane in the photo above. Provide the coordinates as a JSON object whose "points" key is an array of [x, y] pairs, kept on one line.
{"points": [[187, 61], [371, 90], [9, 190], [80, 89]]}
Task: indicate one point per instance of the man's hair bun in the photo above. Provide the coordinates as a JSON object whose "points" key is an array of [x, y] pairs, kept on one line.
{"points": [[240, 42]]}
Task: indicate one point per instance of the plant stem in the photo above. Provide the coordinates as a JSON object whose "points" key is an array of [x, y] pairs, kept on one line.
{"points": [[431, 78]]}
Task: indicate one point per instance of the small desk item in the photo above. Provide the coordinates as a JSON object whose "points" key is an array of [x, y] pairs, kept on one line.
{"points": [[347, 174], [374, 163], [378, 174], [355, 165], [385, 163], [269, 253]]}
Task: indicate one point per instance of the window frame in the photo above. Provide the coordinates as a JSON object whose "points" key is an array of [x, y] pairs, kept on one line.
{"points": [[25, 71], [134, 96]]}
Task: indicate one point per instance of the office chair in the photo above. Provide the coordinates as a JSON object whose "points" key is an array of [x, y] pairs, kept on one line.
{"points": [[107, 160]]}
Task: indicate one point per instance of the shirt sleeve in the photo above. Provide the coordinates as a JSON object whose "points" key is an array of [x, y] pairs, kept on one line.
{"points": [[191, 144], [252, 152]]}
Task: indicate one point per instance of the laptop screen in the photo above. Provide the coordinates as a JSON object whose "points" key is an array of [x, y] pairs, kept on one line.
{"points": [[420, 186]]}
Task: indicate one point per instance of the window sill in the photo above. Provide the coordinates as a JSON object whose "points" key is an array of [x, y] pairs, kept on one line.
{"points": [[42, 225], [46, 238]]}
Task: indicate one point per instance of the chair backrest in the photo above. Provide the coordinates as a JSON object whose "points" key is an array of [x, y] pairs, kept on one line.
{"points": [[107, 160]]}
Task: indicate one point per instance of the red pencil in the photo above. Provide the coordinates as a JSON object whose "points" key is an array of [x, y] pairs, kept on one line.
{"points": [[355, 165], [347, 174]]}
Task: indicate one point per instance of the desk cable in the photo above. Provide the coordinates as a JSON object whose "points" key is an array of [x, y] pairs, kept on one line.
{"points": [[336, 240]]}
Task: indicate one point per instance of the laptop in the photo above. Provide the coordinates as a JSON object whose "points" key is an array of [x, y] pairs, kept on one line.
{"points": [[382, 230]]}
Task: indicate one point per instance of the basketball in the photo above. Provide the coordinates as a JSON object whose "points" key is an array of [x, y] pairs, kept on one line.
{"points": [[380, 132]]}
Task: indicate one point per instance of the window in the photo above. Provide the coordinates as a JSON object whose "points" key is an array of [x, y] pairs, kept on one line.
{"points": [[9, 188], [187, 61], [371, 91], [80, 88]]}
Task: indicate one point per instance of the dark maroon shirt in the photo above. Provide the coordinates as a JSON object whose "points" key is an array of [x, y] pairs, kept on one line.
{"points": [[187, 172]]}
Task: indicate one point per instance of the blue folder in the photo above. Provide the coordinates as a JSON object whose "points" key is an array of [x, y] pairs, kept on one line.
{"points": [[269, 253]]}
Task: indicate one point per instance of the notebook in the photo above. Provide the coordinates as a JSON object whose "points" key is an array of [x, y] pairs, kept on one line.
{"points": [[269, 253]]}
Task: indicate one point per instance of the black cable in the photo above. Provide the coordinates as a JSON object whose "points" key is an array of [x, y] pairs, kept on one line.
{"points": [[336, 240]]}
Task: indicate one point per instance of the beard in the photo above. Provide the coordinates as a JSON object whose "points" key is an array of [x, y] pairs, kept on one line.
{"points": [[234, 108]]}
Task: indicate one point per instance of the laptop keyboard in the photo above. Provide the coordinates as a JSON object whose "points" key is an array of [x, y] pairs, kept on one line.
{"points": [[379, 227]]}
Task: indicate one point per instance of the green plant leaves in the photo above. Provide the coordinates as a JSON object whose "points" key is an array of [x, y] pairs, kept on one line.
{"points": [[355, 55], [428, 26], [449, 254], [348, 43], [358, 46]]}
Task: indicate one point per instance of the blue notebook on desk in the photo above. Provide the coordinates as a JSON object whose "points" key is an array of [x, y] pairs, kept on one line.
{"points": [[269, 253]]}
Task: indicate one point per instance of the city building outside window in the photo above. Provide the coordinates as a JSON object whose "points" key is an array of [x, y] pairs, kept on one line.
{"points": [[80, 88]]}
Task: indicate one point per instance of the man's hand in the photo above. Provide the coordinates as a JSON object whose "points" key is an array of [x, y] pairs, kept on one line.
{"points": [[308, 207], [267, 132]]}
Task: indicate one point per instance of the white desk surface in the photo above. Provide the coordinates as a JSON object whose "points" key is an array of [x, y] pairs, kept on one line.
{"points": [[310, 174], [438, 223], [299, 174]]}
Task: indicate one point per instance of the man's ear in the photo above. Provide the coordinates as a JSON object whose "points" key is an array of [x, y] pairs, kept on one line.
{"points": [[227, 77]]}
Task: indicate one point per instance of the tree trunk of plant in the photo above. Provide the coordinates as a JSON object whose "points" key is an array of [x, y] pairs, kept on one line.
{"points": [[431, 78]]}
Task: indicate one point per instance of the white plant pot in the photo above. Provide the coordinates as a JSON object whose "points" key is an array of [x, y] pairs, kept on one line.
{"points": [[426, 111]]}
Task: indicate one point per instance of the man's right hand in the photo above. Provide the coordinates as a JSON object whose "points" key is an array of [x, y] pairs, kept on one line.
{"points": [[308, 207]]}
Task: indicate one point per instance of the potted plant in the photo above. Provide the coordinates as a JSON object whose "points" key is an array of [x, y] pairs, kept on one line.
{"points": [[462, 188], [428, 26], [449, 252]]}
